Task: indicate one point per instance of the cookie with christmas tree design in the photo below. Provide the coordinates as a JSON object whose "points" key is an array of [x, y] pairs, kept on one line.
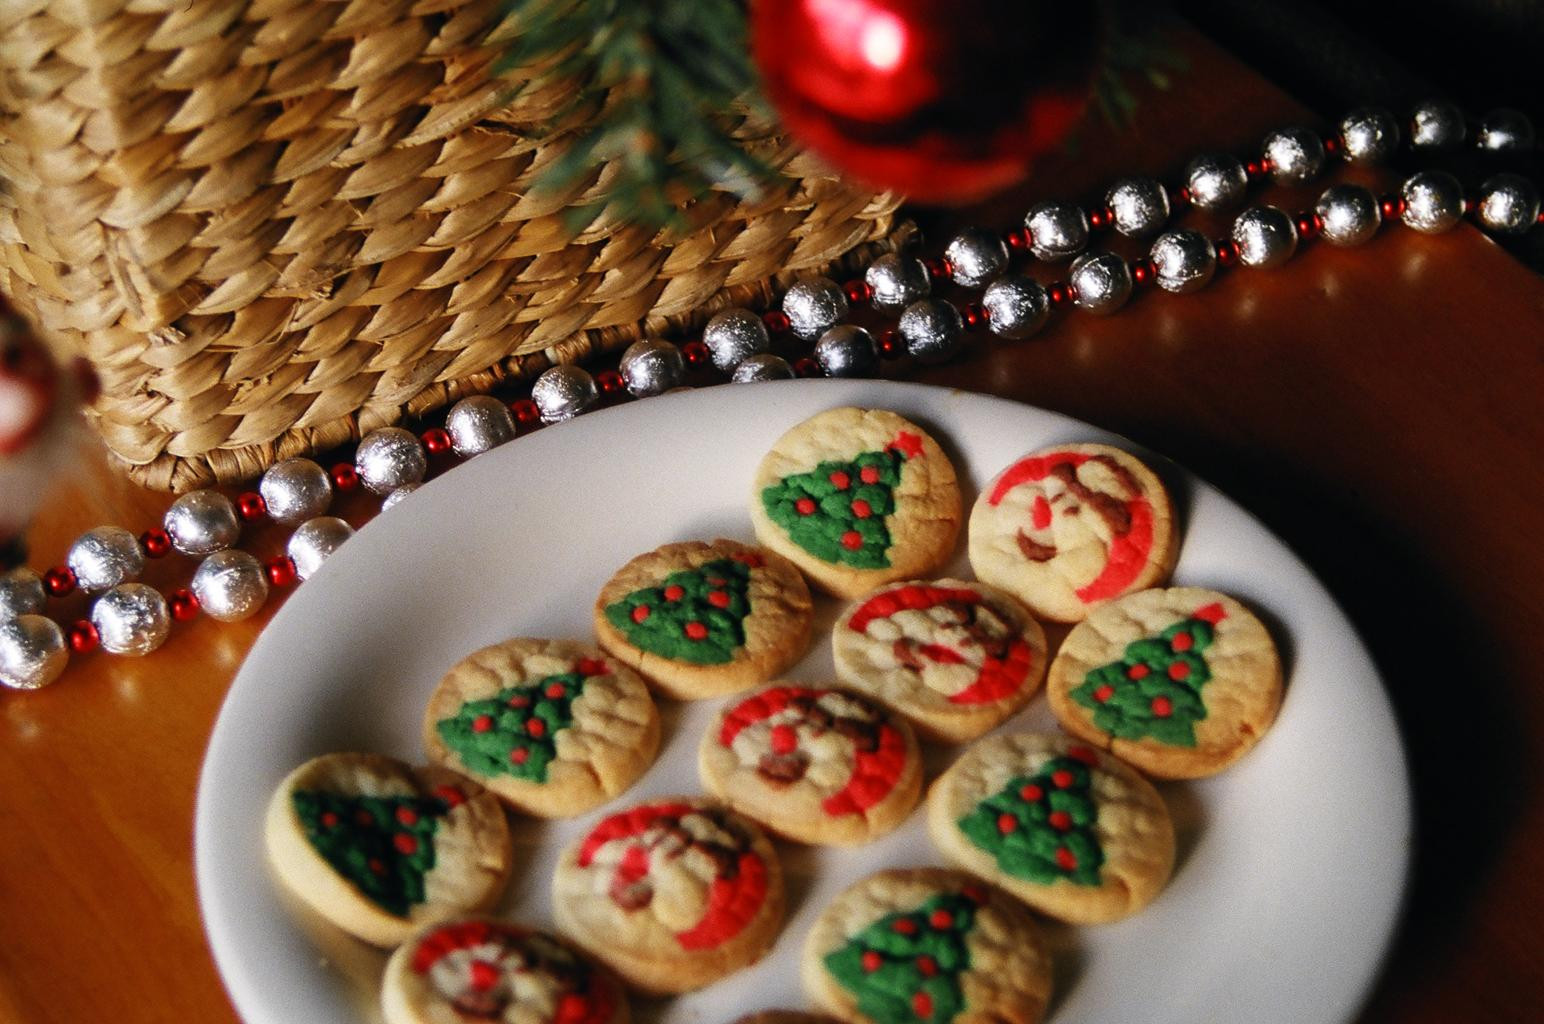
{"points": [[1070, 830], [1179, 682], [480, 969], [672, 894], [1065, 529], [813, 764], [552, 726], [702, 620], [380, 848], [927, 946], [857, 498], [956, 658]]}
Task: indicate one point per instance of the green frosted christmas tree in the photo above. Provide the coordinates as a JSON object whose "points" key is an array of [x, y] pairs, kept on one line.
{"points": [[514, 732], [837, 511], [906, 967], [1041, 827], [383, 845], [1154, 689], [696, 615]]}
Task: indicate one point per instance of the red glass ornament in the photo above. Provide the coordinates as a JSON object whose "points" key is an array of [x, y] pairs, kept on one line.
{"points": [[1332, 146], [1019, 239], [609, 382], [344, 476], [1058, 294], [1142, 271], [183, 604], [890, 346], [281, 571], [525, 412], [1180, 197], [155, 543], [1256, 168], [975, 315], [938, 268], [1308, 225], [1391, 207], [777, 321], [436, 440], [944, 102], [1227, 252], [59, 581], [251, 506], [696, 353], [84, 637], [1100, 218], [858, 291], [807, 367]]}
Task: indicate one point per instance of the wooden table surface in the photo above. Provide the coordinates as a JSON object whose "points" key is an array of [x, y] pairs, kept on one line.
{"points": [[1377, 407]]}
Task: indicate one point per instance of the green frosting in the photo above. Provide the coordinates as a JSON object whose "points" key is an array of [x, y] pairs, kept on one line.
{"points": [[383, 845], [906, 967], [696, 615], [1154, 689], [1041, 827], [836, 523], [496, 735]]}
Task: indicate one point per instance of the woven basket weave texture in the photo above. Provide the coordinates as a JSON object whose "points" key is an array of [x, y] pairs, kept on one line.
{"points": [[272, 225]]}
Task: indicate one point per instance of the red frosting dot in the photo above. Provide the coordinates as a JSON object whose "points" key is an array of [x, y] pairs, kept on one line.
{"points": [[406, 843], [852, 540], [592, 666], [871, 960], [407, 816], [840, 480], [975, 894], [483, 975], [450, 796], [1060, 820], [784, 739], [926, 966], [536, 727], [1084, 754], [640, 613], [1136, 672], [1006, 823], [1162, 707], [719, 598], [556, 691], [696, 631], [922, 1005], [941, 919], [869, 474], [364, 818], [1182, 642], [1104, 693], [904, 926], [520, 755], [862, 509], [1179, 670], [805, 506], [329, 819], [573, 1008], [482, 723], [377, 865], [1066, 859], [674, 592], [1031, 793], [1061, 778], [519, 700]]}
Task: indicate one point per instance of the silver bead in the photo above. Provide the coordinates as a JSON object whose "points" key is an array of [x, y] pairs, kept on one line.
{"points": [[1140, 205], [1435, 125], [560, 393], [1350, 214], [1369, 135], [1216, 181], [1296, 155], [1183, 261], [1057, 230], [1265, 236], [394, 499], [1101, 282], [131, 619], [107, 556], [1508, 204], [733, 336], [814, 306], [478, 424], [230, 585], [976, 256], [1505, 130], [760, 367], [897, 281], [1016, 307], [652, 366], [1434, 201], [847, 351], [21, 593], [295, 490], [202, 522], [390, 457], [932, 330], [32, 652], [316, 539]]}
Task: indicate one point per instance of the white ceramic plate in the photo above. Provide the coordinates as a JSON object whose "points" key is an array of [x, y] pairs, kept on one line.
{"points": [[1292, 863]]}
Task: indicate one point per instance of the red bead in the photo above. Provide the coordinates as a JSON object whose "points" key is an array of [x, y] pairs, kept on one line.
{"points": [[858, 291], [890, 346], [155, 543], [251, 506], [777, 321], [1162, 707], [345, 477], [1391, 207], [1332, 146], [938, 268], [1180, 197], [807, 367], [609, 382], [974, 314], [696, 353], [59, 581], [1308, 224], [84, 637], [1142, 271], [1059, 294], [183, 604], [525, 412], [281, 571], [1019, 239], [1227, 252], [1101, 217], [435, 440]]}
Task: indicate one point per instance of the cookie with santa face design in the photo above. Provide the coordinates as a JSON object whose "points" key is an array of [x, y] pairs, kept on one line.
{"points": [[380, 848], [672, 894], [857, 498], [813, 764], [1180, 682], [702, 620], [554, 727], [1071, 831], [478, 969], [1066, 529], [927, 946], [955, 657]]}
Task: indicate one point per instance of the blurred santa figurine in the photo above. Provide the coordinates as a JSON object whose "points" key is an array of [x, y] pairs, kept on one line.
{"points": [[39, 425]]}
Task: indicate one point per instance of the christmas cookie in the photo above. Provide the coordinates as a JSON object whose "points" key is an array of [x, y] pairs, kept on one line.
{"points": [[956, 658], [703, 620], [1065, 529], [475, 969], [785, 1017], [1071, 831], [553, 727], [672, 894], [1179, 682], [380, 848], [816, 765], [857, 498], [927, 946]]}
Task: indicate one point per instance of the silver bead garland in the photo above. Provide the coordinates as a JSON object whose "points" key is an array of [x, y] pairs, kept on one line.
{"points": [[1183, 261], [813, 306], [230, 586], [390, 457], [1265, 236], [103, 557], [202, 522], [1016, 307], [847, 351], [1508, 204], [1505, 130], [1140, 206], [1436, 126], [396, 497], [131, 619], [32, 652], [896, 281], [560, 393], [21, 593], [1216, 181], [295, 490], [1101, 282], [1350, 215], [1057, 230], [651, 366], [1434, 202], [315, 541], [976, 256], [1296, 155], [760, 367], [1368, 135], [478, 424], [932, 330], [733, 336]]}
